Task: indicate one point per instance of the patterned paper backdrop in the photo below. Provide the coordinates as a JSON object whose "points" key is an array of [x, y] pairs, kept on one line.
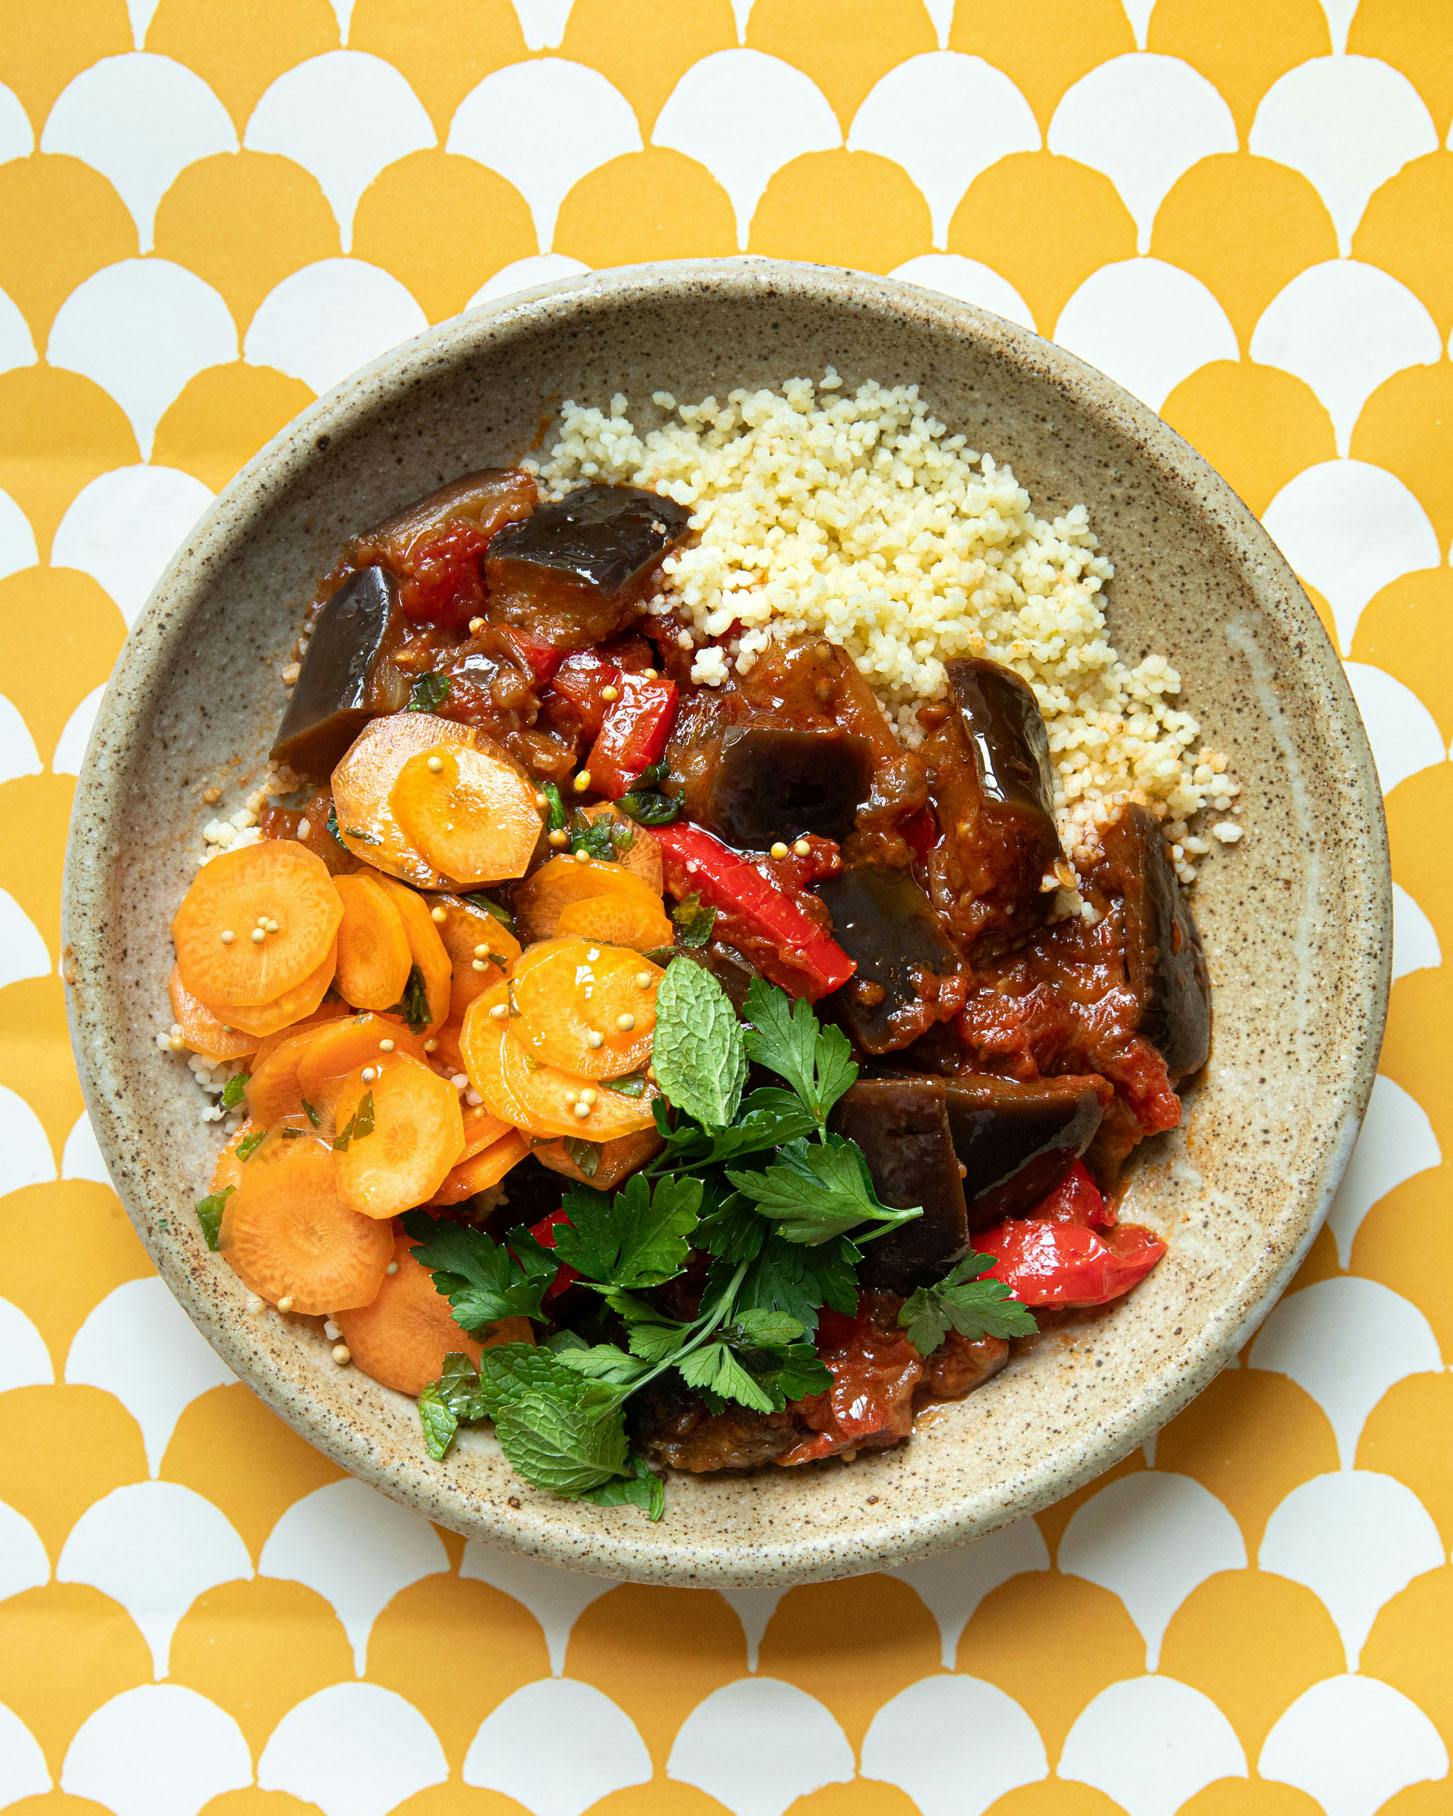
{"points": [[210, 210]]}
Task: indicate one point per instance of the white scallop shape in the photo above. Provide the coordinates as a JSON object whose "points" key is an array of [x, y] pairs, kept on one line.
{"points": [[24, 1358], [1151, 1538], [518, 1749], [1402, 732], [353, 1750], [23, 953], [25, 1156], [542, 22], [1346, 1341], [141, 329], [18, 755], [759, 1744], [124, 527], [557, 1598], [1397, 1141], [140, 1345], [498, 125], [17, 137], [754, 1607], [952, 1585], [154, 1547], [387, 1549], [1414, 941], [344, 116], [23, 1565], [945, 117], [23, 1771], [1348, 124], [18, 548], [1182, 1743], [140, 120], [1348, 528], [81, 1158], [157, 1750], [328, 319], [524, 274], [1345, 328], [1355, 1540], [70, 750], [744, 115], [983, 1745], [1143, 120], [16, 346], [1148, 324], [1351, 1743], [967, 280]]}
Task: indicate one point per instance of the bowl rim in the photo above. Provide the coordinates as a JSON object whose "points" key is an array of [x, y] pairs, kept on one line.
{"points": [[650, 1555]]}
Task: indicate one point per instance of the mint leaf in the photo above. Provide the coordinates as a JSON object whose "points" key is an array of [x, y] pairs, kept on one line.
{"points": [[646, 802], [234, 1090], [209, 1214], [698, 1053], [787, 1038], [694, 922], [444, 1405], [428, 693], [815, 1191], [638, 1238], [964, 1302], [630, 1084], [439, 1420], [642, 1488], [482, 1280], [413, 1005], [560, 1431]]}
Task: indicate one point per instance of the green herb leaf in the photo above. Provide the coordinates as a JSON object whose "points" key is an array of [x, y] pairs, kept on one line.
{"points": [[698, 1053], [428, 694], [209, 1213], [599, 1361], [786, 1037], [815, 1191], [646, 802], [234, 1090], [964, 1302], [630, 1084], [594, 838], [715, 1369], [311, 1114], [761, 1329], [332, 825], [639, 1238], [584, 1154], [482, 1279], [642, 1488], [694, 922], [413, 1005], [359, 1124], [555, 820], [502, 915], [249, 1144], [788, 1277], [766, 1118], [559, 1430], [451, 1401]]}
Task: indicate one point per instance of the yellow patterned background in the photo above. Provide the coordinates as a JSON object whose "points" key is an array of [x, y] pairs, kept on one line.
{"points": [[212, 209]]}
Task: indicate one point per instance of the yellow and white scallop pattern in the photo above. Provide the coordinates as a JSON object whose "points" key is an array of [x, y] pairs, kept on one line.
{"points": [[212, 212]]}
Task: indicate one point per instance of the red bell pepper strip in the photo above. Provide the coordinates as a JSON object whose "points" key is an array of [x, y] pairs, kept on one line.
{"points": [[539, 660], [544, 1233], [1047, 1262], [1076, 1199], [580, 679], [633, 734], [698, 864]]}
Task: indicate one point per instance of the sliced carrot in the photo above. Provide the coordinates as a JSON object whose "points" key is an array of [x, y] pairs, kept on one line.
{"points": [[400, 1339], [228, 1170], [201, 1030], [482, 1170], [399, 1133], [292, 1006], [331, 1010], [552, 1100], [427, 950], [373, 949], [444, 1053], [469, 811], [588, 1009], [602, 1164], [330, 1056], [276, 888], [364, 780], [481, 1043], [482, 1128], [639, 855], [288, 1234], [480, 947], [274, 1089], [620, 919], [541, 899]]}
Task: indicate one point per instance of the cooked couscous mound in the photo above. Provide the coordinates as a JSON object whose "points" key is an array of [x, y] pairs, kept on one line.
{"points": [[858, 516]]}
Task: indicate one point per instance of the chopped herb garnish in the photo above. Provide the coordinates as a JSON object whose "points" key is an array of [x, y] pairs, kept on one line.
{"points": [[249, 1144], [413, 1006], [964, 1302], [428, 693], [556, 817], [502, 915], [595, 837], [631, 1085], [359, 1124], [583, 1154], [647, 802], [359, 834], [332, 824], [694, 922], [311, 1114], [233, 1090], [209, 1213]]}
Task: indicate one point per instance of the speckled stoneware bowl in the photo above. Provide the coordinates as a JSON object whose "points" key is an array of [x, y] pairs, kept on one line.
{"points": [[1295, 919]]}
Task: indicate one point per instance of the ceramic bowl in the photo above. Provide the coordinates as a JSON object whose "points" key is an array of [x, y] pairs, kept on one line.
{"points": [[1295, 919]]}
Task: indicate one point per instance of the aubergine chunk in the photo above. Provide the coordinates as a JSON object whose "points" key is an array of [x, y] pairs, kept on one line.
{"points": [[991, 785], [576, 571], [902, 1126], [346, 674], [1016, 1140], [1165, 966], [489, 498], [908, 974], [774, 784]]}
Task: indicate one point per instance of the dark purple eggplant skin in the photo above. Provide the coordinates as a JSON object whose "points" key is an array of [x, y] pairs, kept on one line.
{"points": [[885, 922], [345, 677], [902, 1126], [1016, 1140], [1165, 964], [771, 784], [1006, 734]]}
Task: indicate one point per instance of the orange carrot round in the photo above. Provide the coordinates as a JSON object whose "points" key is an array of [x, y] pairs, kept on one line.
{"points": [[563, 1103], [228, 1170], [289, 1236], [469, 810], [330, 1010], [482, 1170], [639, 855], [373, 949], [588, 1009], [540, 900], [480, 947], [364, 780], [619, 919], [481, 1044], [482, 1128], [292, 1006], [327, 1060], [426, 949], [255, 924], [201, 1030], [600, 1164], [399, 1132]]}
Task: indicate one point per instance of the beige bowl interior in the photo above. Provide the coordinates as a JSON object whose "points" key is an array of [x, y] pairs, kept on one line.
{"points": [[1295, 919]]}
